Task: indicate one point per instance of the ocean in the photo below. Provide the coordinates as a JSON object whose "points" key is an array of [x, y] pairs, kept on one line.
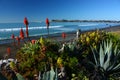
{"points": [[39, 28]]}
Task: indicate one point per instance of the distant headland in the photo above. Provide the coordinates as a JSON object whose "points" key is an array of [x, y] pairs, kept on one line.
{"points": [[64, 20]]}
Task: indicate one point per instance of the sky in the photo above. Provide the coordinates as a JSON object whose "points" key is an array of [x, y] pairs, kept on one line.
{"points": [[39, 10]]}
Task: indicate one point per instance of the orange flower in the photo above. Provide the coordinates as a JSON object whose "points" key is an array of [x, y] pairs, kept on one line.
{"points": [[63, 35], [8, 51], [18, 39], [12, 36], [21, 34], [33, 41]]}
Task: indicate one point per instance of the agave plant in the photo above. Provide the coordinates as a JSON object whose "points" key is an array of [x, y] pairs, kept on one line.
{"points": [[106, 61]]}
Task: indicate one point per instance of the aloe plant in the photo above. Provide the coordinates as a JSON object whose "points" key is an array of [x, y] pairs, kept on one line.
{"points": [[106, 60], [50, 75], [30, 48]]}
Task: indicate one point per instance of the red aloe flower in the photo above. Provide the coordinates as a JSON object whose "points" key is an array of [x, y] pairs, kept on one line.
{"points": [[33, 41], [21, 34], [8, 50], [63, 35], [26, 23], [12, 36], [18, 39], [47, 22]]}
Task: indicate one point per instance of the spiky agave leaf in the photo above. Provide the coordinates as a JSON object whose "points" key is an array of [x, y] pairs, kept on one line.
{"points": [[52, 73], [108, 58], [56, 74], [105, 46], [102, 55], [94, 56], [108, 53], [117, 67], [115, 50], [107, 62], [115, 59]]}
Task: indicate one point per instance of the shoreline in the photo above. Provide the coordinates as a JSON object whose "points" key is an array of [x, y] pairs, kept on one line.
{"points": [[56, 37], [110, 28]]}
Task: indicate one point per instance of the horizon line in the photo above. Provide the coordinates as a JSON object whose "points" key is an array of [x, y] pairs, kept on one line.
{"points": [[40, 21]]}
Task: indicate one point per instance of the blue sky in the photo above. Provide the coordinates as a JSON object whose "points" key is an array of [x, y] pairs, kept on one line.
{"points": [[38, 10]]}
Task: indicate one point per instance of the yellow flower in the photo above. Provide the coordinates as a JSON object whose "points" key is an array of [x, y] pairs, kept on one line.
{"points": [[96, 39], [41, 41], [87, 39], [59, 61], [12, 65], [81, 40], [94, 45], [92, 34]]}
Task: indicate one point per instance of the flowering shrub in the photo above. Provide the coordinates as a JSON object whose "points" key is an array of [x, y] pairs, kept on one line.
{"points": [[46, 55], [34, 57], [88, 39]]}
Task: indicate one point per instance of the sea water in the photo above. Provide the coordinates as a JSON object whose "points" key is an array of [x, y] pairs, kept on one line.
{"points": [[39, 28]]}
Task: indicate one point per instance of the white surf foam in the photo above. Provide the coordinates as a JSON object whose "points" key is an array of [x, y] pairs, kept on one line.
{"points": [[30, 28]]}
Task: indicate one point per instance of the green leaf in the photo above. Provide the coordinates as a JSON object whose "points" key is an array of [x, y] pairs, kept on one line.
{"points": [[19, 76], [94, 56], [109, 52], [117, 67], [115, 50], [102, 55], [52, 73]]}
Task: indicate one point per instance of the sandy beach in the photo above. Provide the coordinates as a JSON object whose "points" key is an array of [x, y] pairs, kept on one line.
{"points": [[57, 37]]}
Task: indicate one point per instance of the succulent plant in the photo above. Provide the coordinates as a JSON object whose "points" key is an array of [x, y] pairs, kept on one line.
{"points": [[106, 60], [19, 76], [30, 48], [50, 75], [32, 57]]}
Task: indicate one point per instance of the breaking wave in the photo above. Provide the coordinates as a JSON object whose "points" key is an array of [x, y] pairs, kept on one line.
{"points": [[30, 28]]}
